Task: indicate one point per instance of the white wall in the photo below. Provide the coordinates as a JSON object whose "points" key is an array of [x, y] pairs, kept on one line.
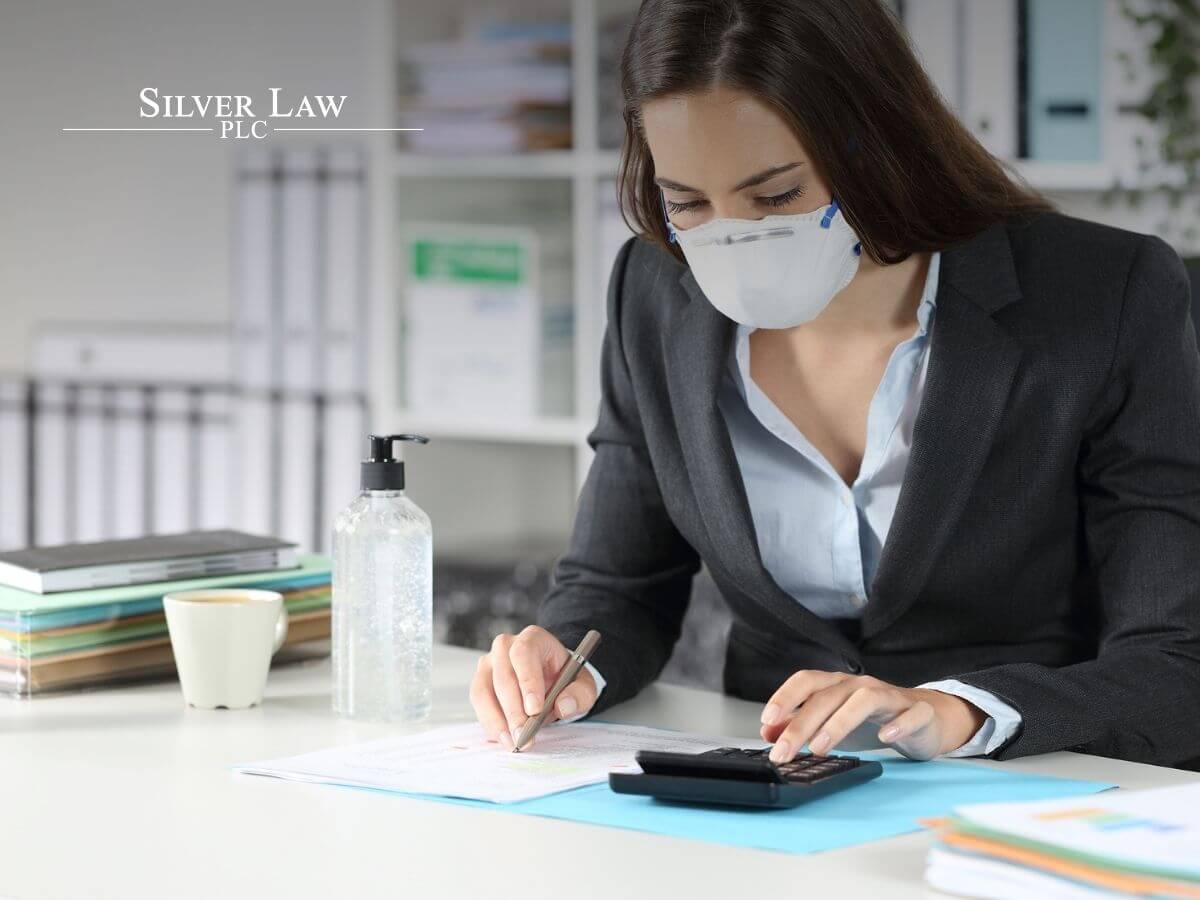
{"points": [[134, 228]]}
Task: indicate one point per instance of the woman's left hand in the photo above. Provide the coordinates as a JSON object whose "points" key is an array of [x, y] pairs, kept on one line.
{"points": [[858, 712]]}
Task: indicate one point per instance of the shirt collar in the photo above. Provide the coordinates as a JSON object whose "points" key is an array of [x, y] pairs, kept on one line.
{"points": [[740, 358]]}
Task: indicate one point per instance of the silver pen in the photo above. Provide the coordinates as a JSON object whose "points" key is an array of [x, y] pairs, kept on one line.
{"points": [[571, 669]]}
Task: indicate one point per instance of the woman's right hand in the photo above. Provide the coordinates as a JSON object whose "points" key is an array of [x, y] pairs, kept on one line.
{"points": [[512, 679]]}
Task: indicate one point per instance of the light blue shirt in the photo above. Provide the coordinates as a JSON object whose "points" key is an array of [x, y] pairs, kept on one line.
{"points": [[819, 538]]}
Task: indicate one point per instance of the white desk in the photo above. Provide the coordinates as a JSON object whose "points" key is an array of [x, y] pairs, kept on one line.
{"points": [[125, 793]]}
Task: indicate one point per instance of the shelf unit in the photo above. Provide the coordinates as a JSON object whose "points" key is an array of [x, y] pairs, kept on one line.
{"points": [[588, 169]]}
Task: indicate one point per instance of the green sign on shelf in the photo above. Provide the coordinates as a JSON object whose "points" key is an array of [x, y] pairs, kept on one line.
{"points": [[468, 259]]}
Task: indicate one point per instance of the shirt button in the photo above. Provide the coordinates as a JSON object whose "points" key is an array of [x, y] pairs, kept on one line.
{"points": [[845, 499], [857, 602]]}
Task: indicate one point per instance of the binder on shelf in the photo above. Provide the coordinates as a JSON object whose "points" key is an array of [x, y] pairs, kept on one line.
{"points": [[114, 404], [1064, 79], [968, 48], [54, 524], [173, 496], [86, 481], [473, 321], [130, 470], [300, 336], [14, 474], [990, 83], [937, 30]]}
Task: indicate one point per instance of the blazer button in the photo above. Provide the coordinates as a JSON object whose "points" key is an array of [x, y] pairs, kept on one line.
{"points": [[853, 666]]}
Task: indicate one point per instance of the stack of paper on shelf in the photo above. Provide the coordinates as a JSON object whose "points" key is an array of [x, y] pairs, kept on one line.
{"points": [[83, 638], [496, 89], [1138, 843]]}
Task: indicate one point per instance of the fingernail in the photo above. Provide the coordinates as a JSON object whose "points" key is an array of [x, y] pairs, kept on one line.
{"points": [[532, 707], [781, 752], [567, 706], [890, 732], [819, 744], [770, 714], [505, 741]]}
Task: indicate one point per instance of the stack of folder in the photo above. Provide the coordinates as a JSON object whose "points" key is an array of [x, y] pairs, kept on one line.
{"points": [[1129, 843], [87, 637]]}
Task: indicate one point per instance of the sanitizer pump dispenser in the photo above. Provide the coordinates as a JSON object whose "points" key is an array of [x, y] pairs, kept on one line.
{"points": [[383, 595]]}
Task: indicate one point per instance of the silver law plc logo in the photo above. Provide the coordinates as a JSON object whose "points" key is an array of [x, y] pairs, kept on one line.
{"points": [[238, 116]]}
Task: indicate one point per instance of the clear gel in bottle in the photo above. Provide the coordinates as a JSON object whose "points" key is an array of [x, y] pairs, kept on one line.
{"points": [[383, 596]]}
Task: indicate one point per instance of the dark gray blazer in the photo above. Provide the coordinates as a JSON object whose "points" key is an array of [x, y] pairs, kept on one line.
{"points": [[1046, 542]]}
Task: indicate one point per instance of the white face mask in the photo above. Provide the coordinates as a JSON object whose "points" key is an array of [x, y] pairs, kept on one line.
{"points": [[773, 272]]}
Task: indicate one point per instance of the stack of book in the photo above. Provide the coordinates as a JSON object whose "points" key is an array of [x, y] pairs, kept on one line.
{"points": [[499, 88], [1128, 843], [89, 614]]}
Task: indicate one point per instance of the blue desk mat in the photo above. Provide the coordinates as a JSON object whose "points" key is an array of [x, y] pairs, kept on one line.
{"points": [[884, 807]]}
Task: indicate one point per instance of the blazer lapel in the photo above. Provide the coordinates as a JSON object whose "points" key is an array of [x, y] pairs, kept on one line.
{"points": [[972, 365], [697, 348]]}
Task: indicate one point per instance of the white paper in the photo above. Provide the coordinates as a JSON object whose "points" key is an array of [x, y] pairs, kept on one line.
{"points": [[976, 876], [459, 761], [1155, 830]]}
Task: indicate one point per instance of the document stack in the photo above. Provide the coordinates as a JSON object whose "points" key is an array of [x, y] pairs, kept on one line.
{"points": [[1138, 843], [499, 88], [93, 635]]}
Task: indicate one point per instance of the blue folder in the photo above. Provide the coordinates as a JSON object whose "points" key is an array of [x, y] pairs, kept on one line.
{"points": [[888, 806], [1065, 79]]}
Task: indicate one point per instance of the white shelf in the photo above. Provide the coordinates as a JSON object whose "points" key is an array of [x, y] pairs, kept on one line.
{"points": [[544, 164], [551, 431], [1064, 176]]}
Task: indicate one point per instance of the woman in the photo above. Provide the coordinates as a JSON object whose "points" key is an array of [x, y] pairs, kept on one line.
{"points": [[937, 444]]}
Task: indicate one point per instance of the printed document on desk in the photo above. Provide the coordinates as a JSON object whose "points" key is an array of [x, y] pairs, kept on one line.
{"points": [[459, 761]]}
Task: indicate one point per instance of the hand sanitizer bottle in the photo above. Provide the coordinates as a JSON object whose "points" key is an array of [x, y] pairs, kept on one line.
{"points": [[383, 596]]}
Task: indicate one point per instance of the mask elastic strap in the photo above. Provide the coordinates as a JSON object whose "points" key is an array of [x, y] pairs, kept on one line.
{"points": [[827, 220], [670, 228]]}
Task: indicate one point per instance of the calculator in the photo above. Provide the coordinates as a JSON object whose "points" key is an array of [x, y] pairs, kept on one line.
{"points": [[731, 776]]}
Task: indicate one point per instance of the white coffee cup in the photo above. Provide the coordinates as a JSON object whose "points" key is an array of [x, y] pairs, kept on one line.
{"points": [[223, 642]]}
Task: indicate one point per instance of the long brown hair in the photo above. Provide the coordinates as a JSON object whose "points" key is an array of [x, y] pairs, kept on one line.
{"points": [[907, 174]]}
